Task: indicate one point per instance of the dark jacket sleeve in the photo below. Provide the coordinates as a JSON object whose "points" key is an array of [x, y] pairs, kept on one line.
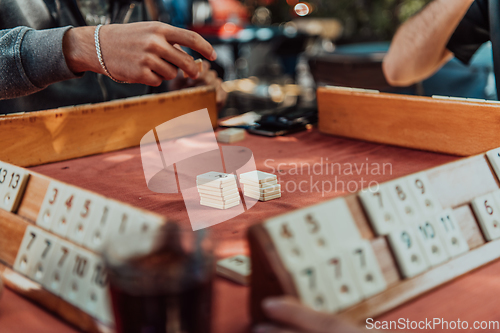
{"points": [[472, 32], [30, 60]]}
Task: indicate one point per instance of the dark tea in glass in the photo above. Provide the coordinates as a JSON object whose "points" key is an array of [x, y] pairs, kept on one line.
{"points": [[164, 285]]}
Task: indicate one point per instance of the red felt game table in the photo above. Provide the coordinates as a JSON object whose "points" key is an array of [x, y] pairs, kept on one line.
{"points": [[119, 175]]}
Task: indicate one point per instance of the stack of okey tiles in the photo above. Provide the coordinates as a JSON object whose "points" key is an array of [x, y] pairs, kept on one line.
{"points": [[218, 190], [364, 254], [52, 236], [260, 185]]}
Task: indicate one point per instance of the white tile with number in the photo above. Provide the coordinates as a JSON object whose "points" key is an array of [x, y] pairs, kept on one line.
{"points": [[329, 226], [85, 211], [13, 182], [123, 220], [146, 223], [98, 230], [494, 158], [71, 200], [380, 210], [42, 255], [236, 268], [409, 255], [48, 209], [488, 214], [59, 263], [451, 234], [340, 274], [312, 288], [4, 171], [317, 235], [421, 189], [77, 277], [428, 237], [402, 198], [287, 233], [128, 224], [95, 298], [367, 273], [27, 253]]}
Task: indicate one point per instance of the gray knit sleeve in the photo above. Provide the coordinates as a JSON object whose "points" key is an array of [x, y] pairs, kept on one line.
{"points": [[30, 60]]}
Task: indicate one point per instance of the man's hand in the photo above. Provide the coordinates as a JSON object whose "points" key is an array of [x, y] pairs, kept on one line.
{"points": [[140, 52], [293, 317], [207, 77]]}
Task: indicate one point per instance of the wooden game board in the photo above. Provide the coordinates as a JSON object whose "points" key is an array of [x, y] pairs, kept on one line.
{"points": [[118, 175], [458, 126]]}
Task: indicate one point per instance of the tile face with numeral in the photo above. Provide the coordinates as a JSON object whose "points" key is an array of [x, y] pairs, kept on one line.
{"points": [[123, 220], [403, 200], [451, 235], [27, 253], [288, 237], [367, 272], [4, 171], [340, 274], [146, 223], [488, 215], [325, 226], [70, 198], [313, 291], [317, 234], [43, 253], [380, 210], [98, 230], [52, 198], [13, 187], [236, 268], [494, 158], [59, 263], [77, 277], [420, 187], [408, 253], [128, 224], [95, 298], [428, 237], [84, 212]]}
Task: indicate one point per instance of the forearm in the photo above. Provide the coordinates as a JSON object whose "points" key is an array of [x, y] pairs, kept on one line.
{"points": [[143, 52], [31, 60], [79, 50], [419, 47]]}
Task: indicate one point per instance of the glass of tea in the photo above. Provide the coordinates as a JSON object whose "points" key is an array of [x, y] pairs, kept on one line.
{"points": [[161, 282]]}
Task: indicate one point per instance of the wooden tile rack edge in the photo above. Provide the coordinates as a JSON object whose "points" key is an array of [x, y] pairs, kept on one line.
{"points": [[451, 126], [34, 291], [412, 288], [54, 135]]}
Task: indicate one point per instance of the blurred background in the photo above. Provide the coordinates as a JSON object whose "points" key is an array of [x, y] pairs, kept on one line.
{"points": [[274, 53]]}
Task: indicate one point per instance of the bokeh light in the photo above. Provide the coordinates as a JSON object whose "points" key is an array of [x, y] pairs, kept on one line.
{"points": [[229, 28], [302, 9]]}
